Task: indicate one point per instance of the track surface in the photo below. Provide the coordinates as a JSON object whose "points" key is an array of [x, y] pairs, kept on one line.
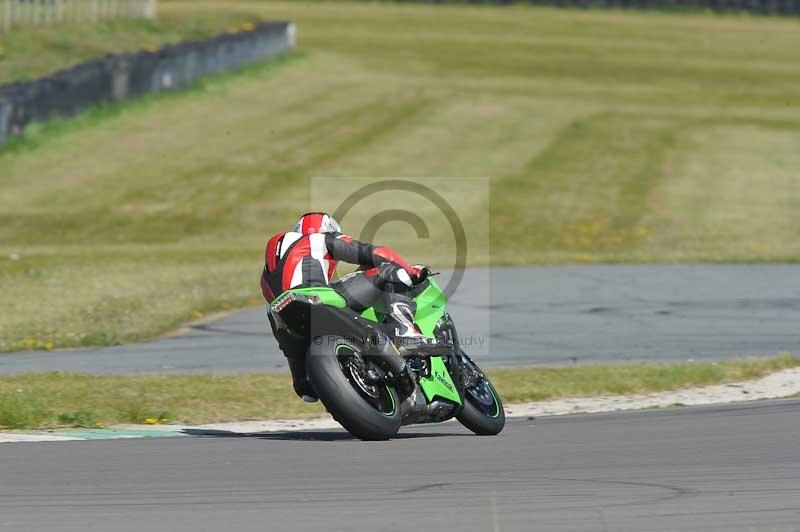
{"points": [[702, 469], [524, 316]]}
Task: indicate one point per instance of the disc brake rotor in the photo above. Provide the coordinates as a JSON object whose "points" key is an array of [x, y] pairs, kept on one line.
{"points": [[358, 373], [477, 386], [482, 393]]}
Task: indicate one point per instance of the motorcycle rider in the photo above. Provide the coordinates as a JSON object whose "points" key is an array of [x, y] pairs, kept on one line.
{"points": [[308, 255]]}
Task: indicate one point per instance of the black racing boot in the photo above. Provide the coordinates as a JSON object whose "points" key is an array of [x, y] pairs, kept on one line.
{"points": [[300, 382], [401, 319], [406, 335]]}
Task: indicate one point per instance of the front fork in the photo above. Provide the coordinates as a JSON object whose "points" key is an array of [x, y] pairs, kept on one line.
{"points": [[447, 329]]}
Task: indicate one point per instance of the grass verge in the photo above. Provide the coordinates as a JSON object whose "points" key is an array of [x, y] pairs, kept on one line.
{"points": [[61, 399]]}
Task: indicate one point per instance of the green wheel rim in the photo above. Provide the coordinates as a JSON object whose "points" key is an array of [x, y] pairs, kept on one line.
{"points": [[358, 387]]}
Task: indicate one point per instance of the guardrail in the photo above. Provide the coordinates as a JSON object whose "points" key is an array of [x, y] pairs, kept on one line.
{"points": [[122, 76], [48, 12], [761, 7]]}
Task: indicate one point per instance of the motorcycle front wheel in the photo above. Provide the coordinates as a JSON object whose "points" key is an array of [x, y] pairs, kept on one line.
{"points": [[338, 374], [482, 412]]}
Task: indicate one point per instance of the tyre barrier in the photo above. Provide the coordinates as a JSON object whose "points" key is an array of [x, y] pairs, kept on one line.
{"points": [[118, 77]]}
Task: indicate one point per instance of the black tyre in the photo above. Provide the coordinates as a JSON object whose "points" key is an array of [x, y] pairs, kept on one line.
{"points": [[336, 371], [482, 412]]}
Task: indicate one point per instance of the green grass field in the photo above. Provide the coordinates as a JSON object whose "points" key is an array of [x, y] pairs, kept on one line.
{"points": [[59, 399], [607, 137]]}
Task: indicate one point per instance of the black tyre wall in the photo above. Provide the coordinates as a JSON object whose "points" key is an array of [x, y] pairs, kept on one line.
{"points": [[344, 403], [478, 422]]}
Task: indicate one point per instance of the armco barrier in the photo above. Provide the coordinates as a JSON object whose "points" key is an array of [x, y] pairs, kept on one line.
{"points": [[121, 76], [761, 7]]}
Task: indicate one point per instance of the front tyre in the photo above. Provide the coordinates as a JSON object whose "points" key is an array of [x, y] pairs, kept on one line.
{"points": [[337, 372], [482, 412]]}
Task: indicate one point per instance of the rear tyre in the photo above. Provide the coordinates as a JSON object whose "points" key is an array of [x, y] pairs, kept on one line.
{"points": [[337, 373], [482, 412]]}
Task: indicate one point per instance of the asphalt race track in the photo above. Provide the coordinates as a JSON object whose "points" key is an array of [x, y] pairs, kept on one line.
{"points": [[728, 468], [520, 317]]}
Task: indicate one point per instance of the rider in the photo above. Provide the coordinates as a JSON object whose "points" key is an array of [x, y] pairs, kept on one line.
{"points": [[307, 256]]}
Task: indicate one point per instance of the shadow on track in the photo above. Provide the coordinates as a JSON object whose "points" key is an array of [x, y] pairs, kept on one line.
{"points": [[309, 435]]}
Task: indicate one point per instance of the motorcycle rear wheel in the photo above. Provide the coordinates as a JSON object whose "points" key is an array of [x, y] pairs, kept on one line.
{"points": [[335, 369]]}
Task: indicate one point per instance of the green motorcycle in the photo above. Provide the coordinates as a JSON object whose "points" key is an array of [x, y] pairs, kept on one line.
{"points": [[364, 381]]}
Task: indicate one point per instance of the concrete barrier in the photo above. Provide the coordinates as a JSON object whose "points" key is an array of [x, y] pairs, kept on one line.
{"points": [[122, 76], [5, 115]]}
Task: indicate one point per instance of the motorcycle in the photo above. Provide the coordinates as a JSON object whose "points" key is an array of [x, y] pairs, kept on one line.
{"points": [[373, 387]]}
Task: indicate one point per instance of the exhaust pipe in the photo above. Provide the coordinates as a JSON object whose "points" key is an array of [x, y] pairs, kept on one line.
{"points": [[384, 350]]}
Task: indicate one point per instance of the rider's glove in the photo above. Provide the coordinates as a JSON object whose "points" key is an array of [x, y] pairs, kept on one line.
{"points": [[394, 274], [420, 273]]}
